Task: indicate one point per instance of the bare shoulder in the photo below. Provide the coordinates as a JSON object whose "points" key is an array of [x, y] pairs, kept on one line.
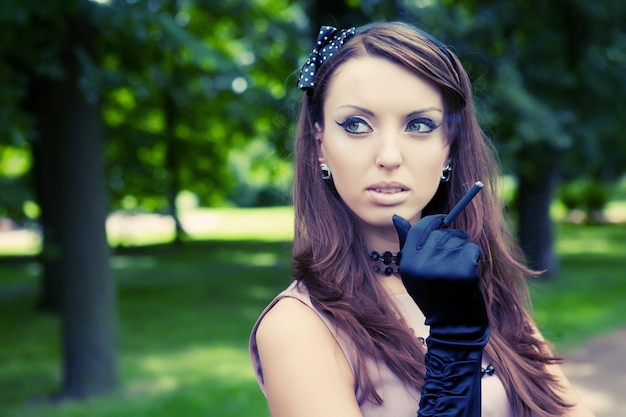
{"points": [[286, 316], [305, 372], [292, 331]]}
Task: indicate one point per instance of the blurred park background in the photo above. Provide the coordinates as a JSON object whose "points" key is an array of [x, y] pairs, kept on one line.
{"points": [[145, 180]]}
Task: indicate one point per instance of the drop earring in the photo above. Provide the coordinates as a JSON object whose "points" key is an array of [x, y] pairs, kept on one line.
{"points": [[326, 174], [446, 173]]}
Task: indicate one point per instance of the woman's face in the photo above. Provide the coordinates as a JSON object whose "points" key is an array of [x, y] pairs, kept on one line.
{"points": [[383, 139]]}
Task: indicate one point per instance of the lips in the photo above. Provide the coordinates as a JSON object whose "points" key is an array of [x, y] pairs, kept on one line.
{"points": [[388, 190], [388, 187], [388, 194]]}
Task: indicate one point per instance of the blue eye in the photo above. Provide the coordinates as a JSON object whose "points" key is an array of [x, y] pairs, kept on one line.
{"points": [[355, 126], [421, 125]]}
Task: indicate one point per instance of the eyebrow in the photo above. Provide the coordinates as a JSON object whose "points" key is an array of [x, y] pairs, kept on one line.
{"points": [[361, 109], [418, 112], [413, 113]]}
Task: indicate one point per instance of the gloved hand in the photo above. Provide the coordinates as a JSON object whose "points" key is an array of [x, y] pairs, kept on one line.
{"points": [[439, 270]]}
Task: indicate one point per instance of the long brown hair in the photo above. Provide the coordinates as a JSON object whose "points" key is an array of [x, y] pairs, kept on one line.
{"points": [[328, 250]]}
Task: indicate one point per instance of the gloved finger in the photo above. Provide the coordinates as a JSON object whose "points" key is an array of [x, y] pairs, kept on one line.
{"points": [[402, 226], [448, 237], [419, 232]]}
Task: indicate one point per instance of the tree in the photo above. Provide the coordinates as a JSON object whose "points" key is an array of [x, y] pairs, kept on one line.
{"points": [[186, 98], [171, 95], [69, 177]]}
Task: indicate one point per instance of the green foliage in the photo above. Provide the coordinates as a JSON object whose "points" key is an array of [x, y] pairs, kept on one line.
{"points": [[184, 83], [263, 178], [544, 79], [196, 94], [181, 83], [14, 163], [585, 194]]}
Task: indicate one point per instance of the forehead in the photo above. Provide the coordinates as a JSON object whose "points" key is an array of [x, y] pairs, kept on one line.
{"points": [[379, 83]]}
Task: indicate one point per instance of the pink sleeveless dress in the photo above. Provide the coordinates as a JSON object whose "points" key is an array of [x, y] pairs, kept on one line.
{"points": [[399, 400]]}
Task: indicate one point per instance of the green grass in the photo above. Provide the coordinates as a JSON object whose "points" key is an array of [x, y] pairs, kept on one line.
{"points": [[588, 297], [185, 314]]}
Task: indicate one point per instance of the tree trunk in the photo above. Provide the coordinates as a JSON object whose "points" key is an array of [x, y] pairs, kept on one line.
{"points": [[46, 179], [170, 111], [69, 159], [89, 302], [89, 335], [535, 195]]}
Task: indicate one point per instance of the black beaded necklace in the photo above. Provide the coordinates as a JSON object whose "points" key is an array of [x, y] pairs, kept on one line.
{"points": [[387, 258]]}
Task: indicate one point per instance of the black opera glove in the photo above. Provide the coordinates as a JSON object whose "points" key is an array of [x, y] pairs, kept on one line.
{"points": [[439, 271]]}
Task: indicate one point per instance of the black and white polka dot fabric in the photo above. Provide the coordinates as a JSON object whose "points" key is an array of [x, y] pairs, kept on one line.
{"points": [[329, 40]]}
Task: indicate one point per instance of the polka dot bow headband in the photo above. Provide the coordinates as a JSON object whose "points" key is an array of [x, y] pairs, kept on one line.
{"points": [[329, 41]]}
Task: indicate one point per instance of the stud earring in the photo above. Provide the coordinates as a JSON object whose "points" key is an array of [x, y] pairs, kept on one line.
{"points": [[326, 174], [445, 173]]}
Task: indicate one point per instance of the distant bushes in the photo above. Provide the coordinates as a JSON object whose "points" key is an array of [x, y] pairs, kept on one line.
{"points": [[586, 196]]}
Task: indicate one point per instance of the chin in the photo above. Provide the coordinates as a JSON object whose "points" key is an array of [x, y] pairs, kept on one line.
{"points": [[411, 215], [385, 220]]}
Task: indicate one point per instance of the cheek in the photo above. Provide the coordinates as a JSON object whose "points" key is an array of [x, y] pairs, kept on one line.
{"points": [[430, 162], [427, 178], [342, 156], [346, 171]]}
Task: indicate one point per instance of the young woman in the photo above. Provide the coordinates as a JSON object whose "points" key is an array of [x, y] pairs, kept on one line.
{"points": [[388, 138]]}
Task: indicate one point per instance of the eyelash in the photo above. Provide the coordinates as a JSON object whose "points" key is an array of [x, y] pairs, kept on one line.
{"points": [[430, 125], [354, 120]]}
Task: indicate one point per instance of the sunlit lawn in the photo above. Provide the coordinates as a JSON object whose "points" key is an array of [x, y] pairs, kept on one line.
{"points": [[123, 229], [185, 314], [588, 297]]}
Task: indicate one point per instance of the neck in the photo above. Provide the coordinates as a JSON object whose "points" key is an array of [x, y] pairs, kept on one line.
{"points": [[380, 238]]}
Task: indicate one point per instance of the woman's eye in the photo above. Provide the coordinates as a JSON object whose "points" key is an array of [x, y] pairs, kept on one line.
{"points": [[421, 125], [355, 126]]}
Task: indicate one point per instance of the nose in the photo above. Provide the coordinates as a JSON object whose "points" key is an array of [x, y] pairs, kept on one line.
{"points": [[389, 155]]}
